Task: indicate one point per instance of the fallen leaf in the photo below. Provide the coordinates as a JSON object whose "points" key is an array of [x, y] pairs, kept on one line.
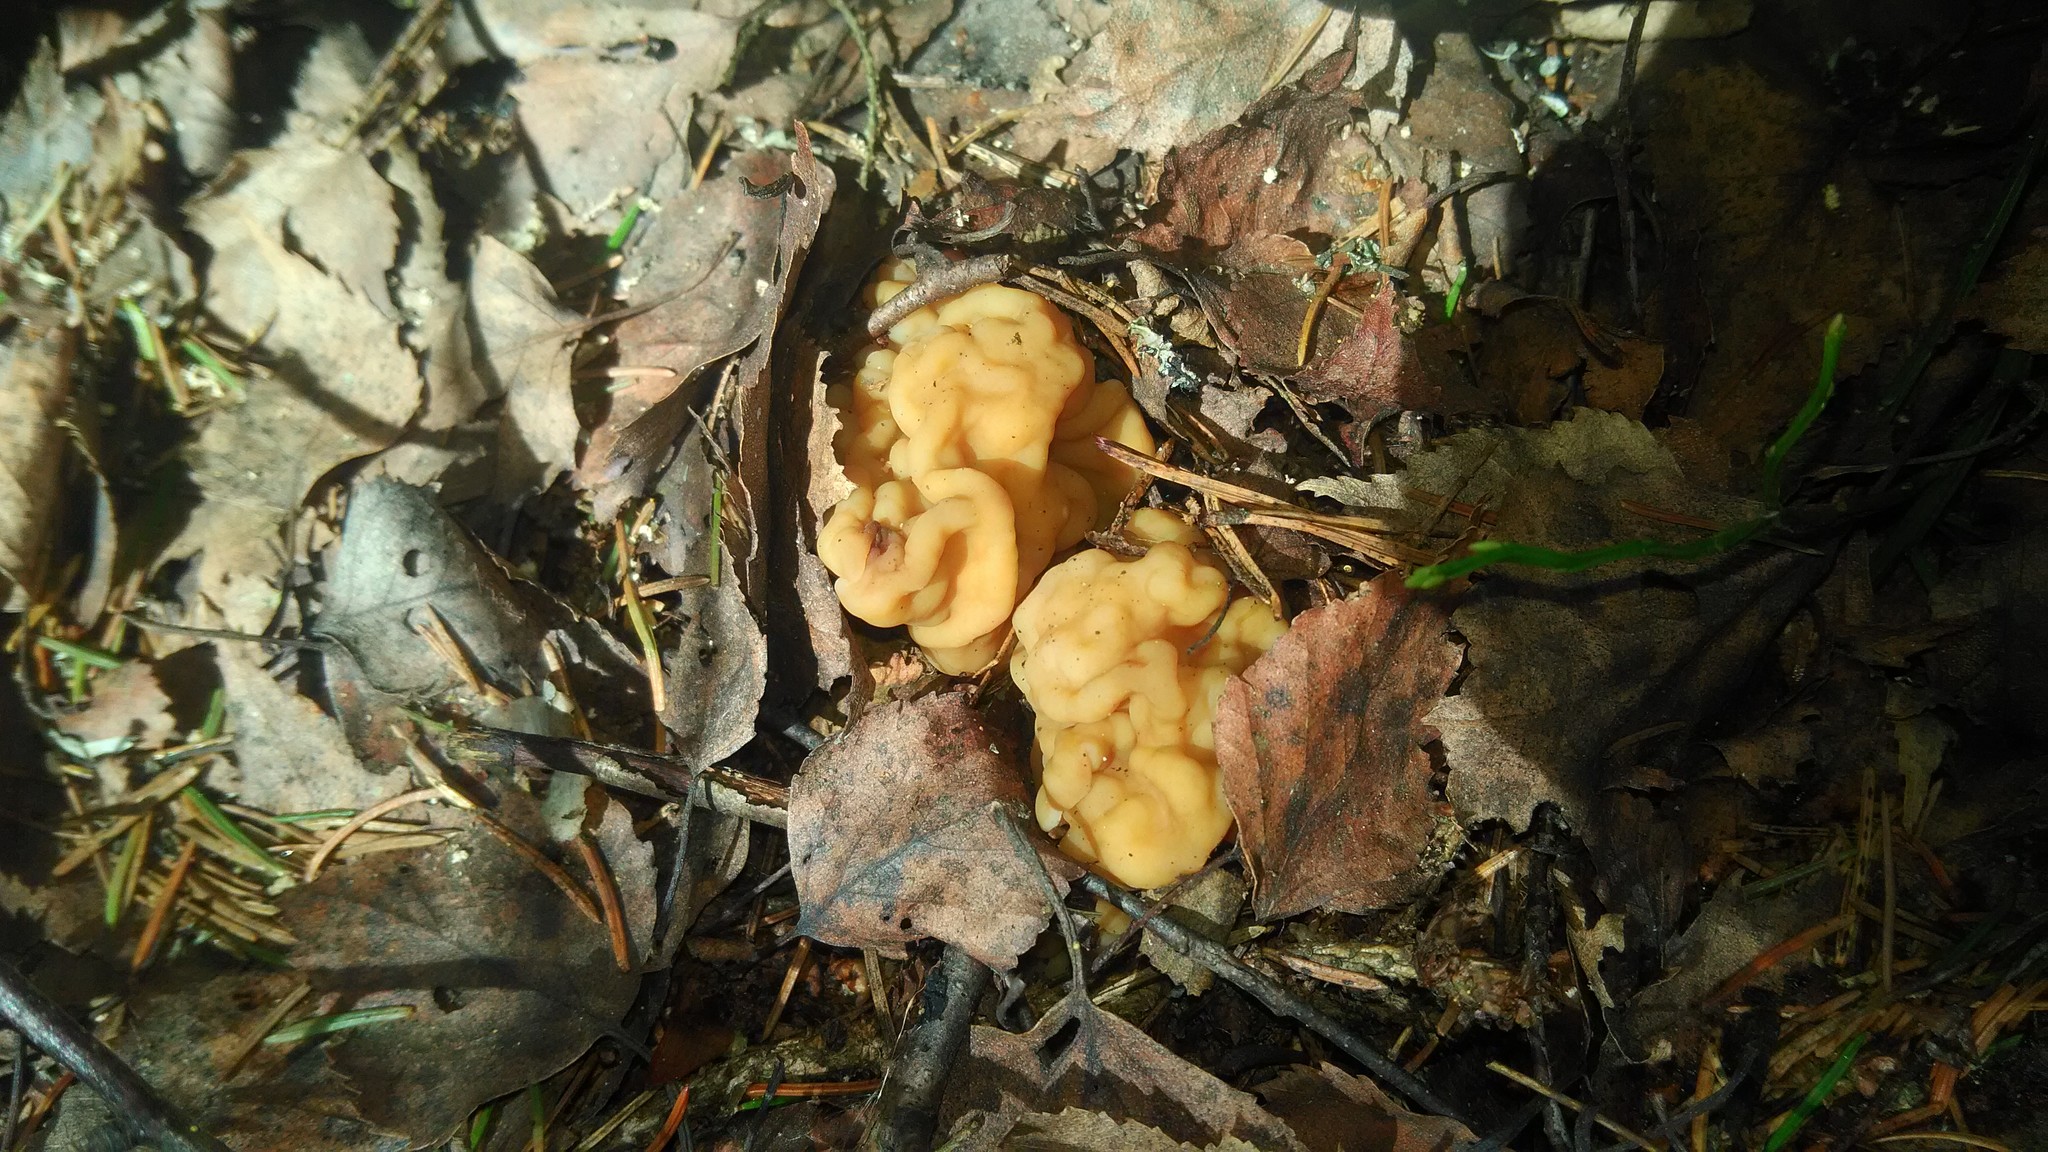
{"points": [[1162, 73], [759, 409], [128, 708], [526, 340], [1625, 381], [507, 980], [716, 665], [1320, 743], [400, 554], [707, 262], [1561, 667], [1331, 1110], [1731, 931], [1080, 1056], [340, 385], [1769, 755], [2008, 302], [289, 756], [1278, 171], [35, 389], [44, 129], [891, 838], [185, 1026]]}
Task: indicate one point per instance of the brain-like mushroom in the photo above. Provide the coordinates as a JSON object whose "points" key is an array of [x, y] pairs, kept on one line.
{"points": [[969, 436], [1122, 660]]}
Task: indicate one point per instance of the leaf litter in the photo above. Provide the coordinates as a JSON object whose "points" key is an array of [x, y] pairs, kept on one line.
{"points": [[410, 436]]}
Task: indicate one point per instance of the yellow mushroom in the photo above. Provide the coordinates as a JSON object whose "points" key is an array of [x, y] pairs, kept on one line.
{"points": [[1122, 661], [969, 436]]}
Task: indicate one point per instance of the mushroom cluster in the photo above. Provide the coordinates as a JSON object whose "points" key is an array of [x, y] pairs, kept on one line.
{"points": [[969, 436], [1122, 661]]}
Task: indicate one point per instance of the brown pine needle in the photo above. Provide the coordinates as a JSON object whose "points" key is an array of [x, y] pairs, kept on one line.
{"points": [[160, 910], [718, 132], [1733, 986], [757, 1089], [1338, 265], [608, 896], [797, 961], [1549, 1093], [674, 1121], [356, 822], [546, 867], [271, 1020]]}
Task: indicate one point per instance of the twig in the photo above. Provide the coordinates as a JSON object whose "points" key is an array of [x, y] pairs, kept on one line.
{"points": [[940, 283], [663, 777], [907, 1114], [1554, 1095], [42, 1023], [1277, 999]]}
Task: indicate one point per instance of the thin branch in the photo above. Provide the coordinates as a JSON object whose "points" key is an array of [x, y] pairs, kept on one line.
{"points": [[42, 1023]]}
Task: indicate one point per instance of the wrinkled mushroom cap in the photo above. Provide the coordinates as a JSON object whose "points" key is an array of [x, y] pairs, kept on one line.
{"points": [[1122, 660], [969, 437]]}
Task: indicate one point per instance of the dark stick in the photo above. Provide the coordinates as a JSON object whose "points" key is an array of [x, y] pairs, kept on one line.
{"points": [[907, 1117], [663, 777], [1277, 999], [939, 283], [40, 1022], [16, 1084]]}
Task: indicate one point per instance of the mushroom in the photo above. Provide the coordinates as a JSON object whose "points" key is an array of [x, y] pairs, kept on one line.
{"points": [[969, 436], [1122, 661]]}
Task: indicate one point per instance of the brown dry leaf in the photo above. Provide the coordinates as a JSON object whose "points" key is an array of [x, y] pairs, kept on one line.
{"points": [[254, 462], [716, 667], [1162, 73], [891, 838], [1333, 1111], [2010, 304], [44, 129], [1321, 747], [605, 90], [1527, 356], [525, 337], [1080, 1056], [1739, 163], [758, 409], [128, 708], [289, 756], [707, 261], [35, 389], [1664, 1019], [1291, 166], [184, 1028], [508, 981], [1562, 667], [1625, 381]]}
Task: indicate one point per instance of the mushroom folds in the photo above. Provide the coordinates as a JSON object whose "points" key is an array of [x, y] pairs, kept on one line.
{"points": [[1122, 660], [969, 436]]}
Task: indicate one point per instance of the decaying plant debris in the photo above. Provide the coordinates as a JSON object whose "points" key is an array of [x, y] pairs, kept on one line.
{"points": [[432, 723]]}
